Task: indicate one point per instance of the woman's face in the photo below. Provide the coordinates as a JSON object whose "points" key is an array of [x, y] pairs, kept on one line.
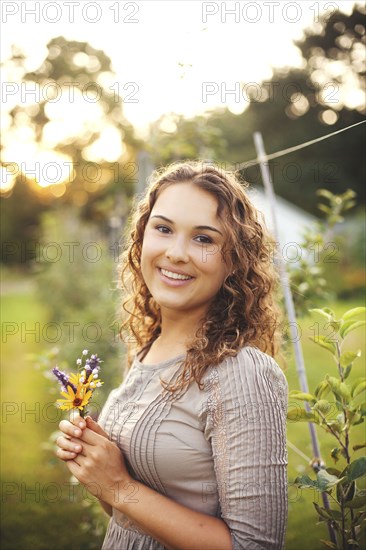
{"points": [[181, 259]]}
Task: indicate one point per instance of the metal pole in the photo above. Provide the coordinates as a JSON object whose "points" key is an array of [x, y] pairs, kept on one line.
{"points": [[290, 308]]}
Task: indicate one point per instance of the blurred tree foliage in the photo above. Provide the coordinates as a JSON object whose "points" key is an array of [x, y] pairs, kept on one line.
{"points": [[19, 221], [77, 282], [294, 107], [77, 107]]}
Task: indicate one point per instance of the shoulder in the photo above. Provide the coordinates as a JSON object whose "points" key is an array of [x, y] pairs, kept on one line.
{"points": [[255, 363], [251, 374]]}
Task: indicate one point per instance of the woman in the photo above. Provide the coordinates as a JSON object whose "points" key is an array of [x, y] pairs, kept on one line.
{"points": [[190, 451]]}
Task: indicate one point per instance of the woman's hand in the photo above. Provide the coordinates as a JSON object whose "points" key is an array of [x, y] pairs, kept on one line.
{"points": [[92, 458], [69, 443]]}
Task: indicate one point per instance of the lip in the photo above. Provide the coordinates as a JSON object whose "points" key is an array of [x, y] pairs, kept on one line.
{"points": [[174, 282]]}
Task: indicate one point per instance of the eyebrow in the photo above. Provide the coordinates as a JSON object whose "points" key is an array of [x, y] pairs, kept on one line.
{"points": [[207, 227]]}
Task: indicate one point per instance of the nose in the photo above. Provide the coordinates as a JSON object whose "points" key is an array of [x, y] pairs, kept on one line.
{"points": [[177, 251]]}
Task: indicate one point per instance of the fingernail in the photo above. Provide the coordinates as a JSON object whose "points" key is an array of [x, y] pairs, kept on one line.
{"points": [[81, 424], [77, 432], [77, 447]]}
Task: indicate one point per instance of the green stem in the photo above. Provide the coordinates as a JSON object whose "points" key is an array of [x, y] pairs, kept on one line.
{"points": [[347, 455], [344, 541], [340, 369], [332, 431]]}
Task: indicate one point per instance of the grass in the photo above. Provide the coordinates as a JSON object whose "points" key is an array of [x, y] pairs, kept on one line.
{"points": [[37, 499]]}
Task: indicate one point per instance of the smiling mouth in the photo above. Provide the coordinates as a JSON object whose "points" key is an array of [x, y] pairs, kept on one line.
{"points": [[175, 276]]}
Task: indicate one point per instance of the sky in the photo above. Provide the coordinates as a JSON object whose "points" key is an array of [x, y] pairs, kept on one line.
{"points": [[182, 57]]}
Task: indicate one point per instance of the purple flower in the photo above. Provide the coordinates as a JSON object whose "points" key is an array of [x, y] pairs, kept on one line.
{"points": [[92, 365], [63, 379]]}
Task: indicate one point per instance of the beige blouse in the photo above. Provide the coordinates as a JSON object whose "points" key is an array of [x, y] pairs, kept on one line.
{"points": [[220, 451]]}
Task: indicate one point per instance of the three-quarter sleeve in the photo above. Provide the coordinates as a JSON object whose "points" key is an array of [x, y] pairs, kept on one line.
{"points": [[245, 421]]}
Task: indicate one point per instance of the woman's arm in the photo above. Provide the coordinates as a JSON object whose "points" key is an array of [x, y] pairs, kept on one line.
{"points": [[172, 524], [245, 421], [98, 463]]}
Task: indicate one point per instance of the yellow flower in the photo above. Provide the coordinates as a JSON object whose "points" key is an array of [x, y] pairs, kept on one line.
{"points": [[74, 400]]}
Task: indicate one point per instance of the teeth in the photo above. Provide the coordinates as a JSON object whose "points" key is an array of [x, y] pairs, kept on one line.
{"points": [[172, 275]]}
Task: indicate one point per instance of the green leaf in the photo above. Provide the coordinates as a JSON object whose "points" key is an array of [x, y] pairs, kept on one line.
{"points": [[323, 406], [297, 394], [328, 513], [334, 471], [348, 357], [301, 415], [326, 481], [356, 469], [346, 492], [359, 400], [354, 417], [325, 193], [324, 343], [358, 447], [349, 326], [335, 455], [347, 371], [328, 543], [334, 384], [359, 388], [305, 482], [356, 502], [356, 383], [322, 389], [353, 313], [352, 542], [344, 392], [325, 209], [321, 312]]}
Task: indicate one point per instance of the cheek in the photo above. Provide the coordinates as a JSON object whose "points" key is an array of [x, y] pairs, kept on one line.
{"points": [[151, 249], [212, 263]]}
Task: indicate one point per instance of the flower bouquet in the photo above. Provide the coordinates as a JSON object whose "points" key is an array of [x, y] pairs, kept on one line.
{"points": [[78, 388]]}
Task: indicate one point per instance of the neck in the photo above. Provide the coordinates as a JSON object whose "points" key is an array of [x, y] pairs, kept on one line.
{"points": [[179, 327]]}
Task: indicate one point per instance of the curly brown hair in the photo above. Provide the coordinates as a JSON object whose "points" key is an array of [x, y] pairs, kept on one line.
{"points": [[244, 311]]}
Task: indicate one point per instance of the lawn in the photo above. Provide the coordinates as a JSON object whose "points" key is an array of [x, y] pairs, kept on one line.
{"points": [[39, 507]]}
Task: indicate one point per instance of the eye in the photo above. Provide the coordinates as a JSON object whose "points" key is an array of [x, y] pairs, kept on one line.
{"points": [[205, 239], [162, 228]]}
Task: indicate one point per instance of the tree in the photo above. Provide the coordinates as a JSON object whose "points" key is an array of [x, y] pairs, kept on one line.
{"points": [[296, 106], [71, 107]]}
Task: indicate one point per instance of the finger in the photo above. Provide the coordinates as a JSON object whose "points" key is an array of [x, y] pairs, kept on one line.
{"points": [[94, 426], [74, 467], [65, 455], [92, 438], [69, 444], [76, 419], [89, 437], [69, 429]]}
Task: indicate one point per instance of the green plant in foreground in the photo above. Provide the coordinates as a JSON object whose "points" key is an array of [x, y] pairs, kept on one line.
{"points": [[337, 406], [321, 246]]}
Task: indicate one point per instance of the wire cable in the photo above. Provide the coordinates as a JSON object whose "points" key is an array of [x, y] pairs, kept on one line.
{"points": [[283, 152]]}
